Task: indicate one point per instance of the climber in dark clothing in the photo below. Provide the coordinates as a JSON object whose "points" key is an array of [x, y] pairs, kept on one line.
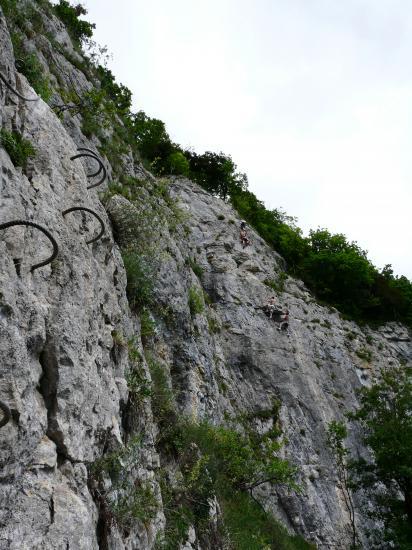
{"points": [[271, 306], [284, 323], [244, 239]]}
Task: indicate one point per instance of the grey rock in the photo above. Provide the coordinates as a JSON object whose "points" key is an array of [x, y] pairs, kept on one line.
{"points": [[63, 370]]}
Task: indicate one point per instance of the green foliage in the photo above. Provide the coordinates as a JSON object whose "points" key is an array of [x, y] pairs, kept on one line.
{"points": [[96, 112], [214, 326], [128, 499], [196, 268], [139, 278], [178, 164], [385, 416], [137, 383], [163, 405], [118, 338], [153, 141], [138, 503], [196, 300], [364, 354], [250, 528], [339, 272], [239, 461], [79, 30], [271, 413], [119, 94], [9, 7], [18, 148], [221, 462], [147, 324], [216, 173], [206, 297], [116, 464], [137, 227], [24, 19], [28, 64]]}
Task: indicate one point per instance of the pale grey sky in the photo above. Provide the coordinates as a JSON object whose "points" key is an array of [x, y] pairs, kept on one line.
{"points": [[312, 98]]}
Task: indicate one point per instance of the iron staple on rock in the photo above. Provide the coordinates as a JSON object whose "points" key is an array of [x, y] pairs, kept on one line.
{"points": [[6, 414], [102, 230], [95, 155], [10, 87], [43, 230], [89, 153]]}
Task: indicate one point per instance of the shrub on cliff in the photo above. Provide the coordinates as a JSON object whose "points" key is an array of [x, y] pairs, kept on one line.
{"points": [[18, 148], [78, 29], [124, 497], [28, 64], [140, 277], [195, 301], [119, 94]]}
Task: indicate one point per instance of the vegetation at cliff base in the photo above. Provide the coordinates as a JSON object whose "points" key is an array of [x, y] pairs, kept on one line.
{"points": [[220, 466], [385, 418]]}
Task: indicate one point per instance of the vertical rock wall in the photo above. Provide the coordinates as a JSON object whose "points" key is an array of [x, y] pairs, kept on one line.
{"points": [[61, 374], [63, 328]]}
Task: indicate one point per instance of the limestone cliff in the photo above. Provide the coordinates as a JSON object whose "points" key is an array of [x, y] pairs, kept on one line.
{"points": [[69, 339]]}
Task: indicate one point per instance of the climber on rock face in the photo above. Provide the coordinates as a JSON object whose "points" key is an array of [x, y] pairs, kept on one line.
{"points": [[271, 306], [244, 239], [284, 323]]}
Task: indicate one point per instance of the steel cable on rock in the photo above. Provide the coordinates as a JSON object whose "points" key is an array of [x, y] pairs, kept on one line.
{"points": [[10, 87]]}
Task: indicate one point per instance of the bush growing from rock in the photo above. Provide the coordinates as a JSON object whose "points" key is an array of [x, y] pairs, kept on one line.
{"points": [[196, 301], [79, 29], [18, 148]]}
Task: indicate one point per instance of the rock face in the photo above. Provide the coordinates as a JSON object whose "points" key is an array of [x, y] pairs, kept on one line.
{"points": [[63, 365]]}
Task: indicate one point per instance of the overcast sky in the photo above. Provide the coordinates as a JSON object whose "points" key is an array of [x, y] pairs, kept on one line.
{"points": [[312, 98]]}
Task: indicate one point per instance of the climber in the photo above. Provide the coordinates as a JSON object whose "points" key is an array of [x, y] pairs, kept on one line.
{"points": [[244, 239], [271, 306], [284, 322]]}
